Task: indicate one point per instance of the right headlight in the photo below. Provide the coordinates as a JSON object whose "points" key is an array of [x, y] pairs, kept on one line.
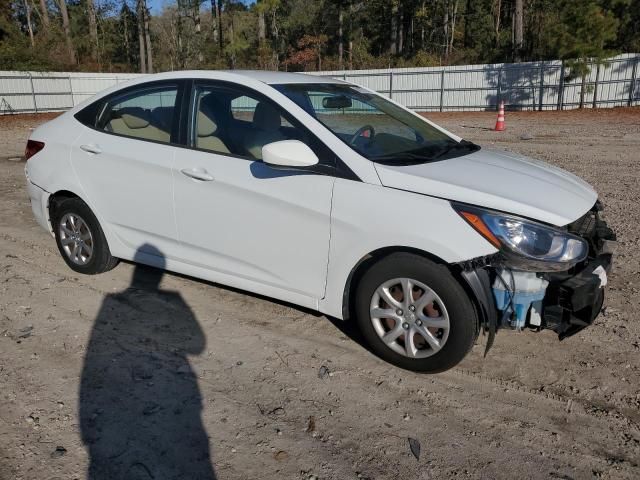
{"points": [[527, 245]]}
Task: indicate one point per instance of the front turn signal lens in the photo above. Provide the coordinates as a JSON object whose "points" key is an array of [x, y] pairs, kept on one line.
{"points": [[476, 222]]}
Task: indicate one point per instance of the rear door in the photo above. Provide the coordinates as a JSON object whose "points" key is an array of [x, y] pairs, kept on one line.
{"points": [[124, 162], [237, 216]]}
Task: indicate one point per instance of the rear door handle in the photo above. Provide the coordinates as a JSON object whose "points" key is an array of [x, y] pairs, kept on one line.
{"points": [[91, 148], [198, 174]]}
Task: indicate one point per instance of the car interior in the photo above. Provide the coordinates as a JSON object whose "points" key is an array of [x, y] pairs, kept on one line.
{"points": [[150, 124], [239, 131], [225, 122]]}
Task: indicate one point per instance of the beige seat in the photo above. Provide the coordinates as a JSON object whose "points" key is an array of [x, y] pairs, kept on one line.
{"points": [[207, 127], [265, 129], [136, 122]]}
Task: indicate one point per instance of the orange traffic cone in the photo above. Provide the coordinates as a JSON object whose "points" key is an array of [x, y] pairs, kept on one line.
{"points": [[500, 122]]}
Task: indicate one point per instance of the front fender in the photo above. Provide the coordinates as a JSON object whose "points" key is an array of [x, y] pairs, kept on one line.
{"points": [[366, 218]]}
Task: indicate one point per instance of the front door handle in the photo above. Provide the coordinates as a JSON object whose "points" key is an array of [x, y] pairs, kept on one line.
{"points": [[198, 174], [91, 148]]}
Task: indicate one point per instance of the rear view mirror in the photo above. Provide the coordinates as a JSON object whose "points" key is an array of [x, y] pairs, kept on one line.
{"points": [[338, 101], [288, 153]]}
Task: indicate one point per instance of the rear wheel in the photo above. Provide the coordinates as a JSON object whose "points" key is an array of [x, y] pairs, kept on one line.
{"points": [[414, 313], [80, 238]]}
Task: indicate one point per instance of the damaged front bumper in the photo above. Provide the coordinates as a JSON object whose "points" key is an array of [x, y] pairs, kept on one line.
{"points": [[569, 301]]}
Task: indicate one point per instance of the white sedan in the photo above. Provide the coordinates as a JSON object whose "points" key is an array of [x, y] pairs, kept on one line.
{"points": [[327, 195]]}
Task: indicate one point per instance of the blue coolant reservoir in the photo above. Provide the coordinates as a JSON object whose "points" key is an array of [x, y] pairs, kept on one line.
{"points": [[523, 291]]}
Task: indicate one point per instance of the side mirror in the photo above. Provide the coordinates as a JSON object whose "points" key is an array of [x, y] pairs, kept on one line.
{"points": [[288, 153]]}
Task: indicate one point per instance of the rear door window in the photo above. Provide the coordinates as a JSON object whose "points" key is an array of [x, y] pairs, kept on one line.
{"points": [[147, 114]]}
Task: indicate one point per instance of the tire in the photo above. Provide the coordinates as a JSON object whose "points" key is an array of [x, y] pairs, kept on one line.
{"points": [[99, 258], [451, 318]]}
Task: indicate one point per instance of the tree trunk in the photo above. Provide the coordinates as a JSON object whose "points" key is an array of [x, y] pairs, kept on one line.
{"points": [[29, 26], [276, 36], [140, 12], [468, 12], [394, 28], [67, 31], [518, 35], [232, 57], [401, 32], [412, 35], [422, 6], [93, 29], [445, 22], [147, 36], [127, 47], [214, 20], [262, 27], [583, 88], [340, 39], [220, 31], [45, 14], [496, 23], [453, 25]]}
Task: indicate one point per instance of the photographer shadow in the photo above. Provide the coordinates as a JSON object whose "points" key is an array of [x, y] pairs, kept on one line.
{"points": [[140, 404]]}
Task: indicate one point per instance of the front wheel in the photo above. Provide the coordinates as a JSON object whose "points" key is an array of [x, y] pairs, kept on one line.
{"points": [[414, 313]]}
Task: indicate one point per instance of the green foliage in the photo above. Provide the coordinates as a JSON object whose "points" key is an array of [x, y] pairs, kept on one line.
{"points": [[304, 34], [583, 32]]}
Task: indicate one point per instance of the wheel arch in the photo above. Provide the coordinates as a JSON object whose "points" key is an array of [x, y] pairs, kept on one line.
{"points": [[56, 198], [361, 267], [366, 261]]}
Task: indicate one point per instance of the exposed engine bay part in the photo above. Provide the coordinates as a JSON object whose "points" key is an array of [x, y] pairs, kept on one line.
{"points": [[480, 284], [519, 296], [565, 302]]}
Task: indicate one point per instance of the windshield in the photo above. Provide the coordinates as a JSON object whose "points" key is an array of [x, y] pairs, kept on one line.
{"points": [[373, 126]]}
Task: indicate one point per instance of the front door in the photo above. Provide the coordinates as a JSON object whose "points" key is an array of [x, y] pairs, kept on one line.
{"points": [[236, 215]]}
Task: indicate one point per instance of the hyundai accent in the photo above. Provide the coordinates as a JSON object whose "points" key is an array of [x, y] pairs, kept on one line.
{"points": [[327, 195]]}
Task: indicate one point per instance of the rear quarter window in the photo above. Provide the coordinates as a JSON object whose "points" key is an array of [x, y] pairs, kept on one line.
{"points": [[88, 116]]}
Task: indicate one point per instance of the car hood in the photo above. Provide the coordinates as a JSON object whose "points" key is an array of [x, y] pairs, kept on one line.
{"points": [[500, 180]]}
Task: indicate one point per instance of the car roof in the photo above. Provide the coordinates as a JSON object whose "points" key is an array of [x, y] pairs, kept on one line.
{"points": [[264, 76], [271, 77]]}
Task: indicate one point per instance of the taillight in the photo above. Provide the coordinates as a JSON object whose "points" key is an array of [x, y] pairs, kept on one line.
{"points": [[33, 147]]}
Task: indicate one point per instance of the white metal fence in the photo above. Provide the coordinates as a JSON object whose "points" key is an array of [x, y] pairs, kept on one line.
{"points": [[546, 85], [35, 92]]}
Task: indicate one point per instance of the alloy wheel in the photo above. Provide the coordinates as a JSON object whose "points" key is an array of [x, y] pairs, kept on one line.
{"points": [[76, 238], [409, 317]]}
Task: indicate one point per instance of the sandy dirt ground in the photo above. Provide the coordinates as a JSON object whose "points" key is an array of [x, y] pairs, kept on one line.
{"points": [[281, 392]]}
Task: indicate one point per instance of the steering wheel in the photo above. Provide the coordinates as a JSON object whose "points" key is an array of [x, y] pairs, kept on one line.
{"points": [[361, 130]]}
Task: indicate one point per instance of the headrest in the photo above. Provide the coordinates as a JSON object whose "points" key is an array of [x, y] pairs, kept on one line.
{"points": [[134, 117], [266, 117], [207, 125]]}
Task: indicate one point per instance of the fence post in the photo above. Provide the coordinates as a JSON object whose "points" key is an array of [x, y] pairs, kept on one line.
{"points": [[391, 84], [499, 89], [541, 94], [561, 88], [595, 87], [33, 93], [632, 87], [442, 90], [73, 103]]}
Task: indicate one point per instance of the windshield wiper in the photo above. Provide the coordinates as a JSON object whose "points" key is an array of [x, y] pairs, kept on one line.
{"points": [[424, 154], [460, 146]]}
